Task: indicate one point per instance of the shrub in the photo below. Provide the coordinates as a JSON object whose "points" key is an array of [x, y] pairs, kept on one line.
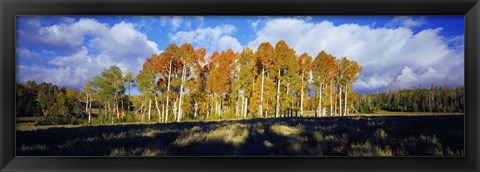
{"points": [[380, 134], [284, 130], [235, 134], [317, 136], [367, 149]]}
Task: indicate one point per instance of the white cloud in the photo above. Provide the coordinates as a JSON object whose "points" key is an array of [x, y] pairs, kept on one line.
{"points": [[28, 54], [69, 35], [291, 30], [125, 45], [120, 45], [181, 23], [405, 21], [71, 71], [406, 77], [255, 24], [176, 22], [213, 38], [227, 42], [389, 56]]}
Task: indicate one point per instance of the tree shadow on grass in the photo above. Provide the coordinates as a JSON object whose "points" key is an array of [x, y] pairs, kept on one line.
{"points": [[336, 136]]}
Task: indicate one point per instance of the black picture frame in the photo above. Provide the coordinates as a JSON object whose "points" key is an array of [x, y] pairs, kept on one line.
{"points": [[11, 8]]}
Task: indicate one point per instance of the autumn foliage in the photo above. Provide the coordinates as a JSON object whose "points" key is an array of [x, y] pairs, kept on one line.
{"points": [[272, 81]]}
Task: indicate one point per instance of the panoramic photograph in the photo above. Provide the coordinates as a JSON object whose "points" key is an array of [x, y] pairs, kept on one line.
{"points": [[273, 86]]}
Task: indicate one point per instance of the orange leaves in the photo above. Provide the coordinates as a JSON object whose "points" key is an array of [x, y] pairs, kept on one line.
{"points": [[161, 83], [351, 69], [265, 55], [221, 68], [325, 67], [200, 54], [172, 63]]}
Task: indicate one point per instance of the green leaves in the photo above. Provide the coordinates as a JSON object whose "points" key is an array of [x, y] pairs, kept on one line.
{"points": [[110, 82]]}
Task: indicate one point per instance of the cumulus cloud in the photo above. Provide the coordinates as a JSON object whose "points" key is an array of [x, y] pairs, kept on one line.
{"points": [[69, 35], [96, 46], [390, 56], [70, 71], [124, 45], [213, 38]]}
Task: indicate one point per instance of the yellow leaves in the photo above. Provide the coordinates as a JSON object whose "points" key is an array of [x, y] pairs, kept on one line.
{"points": [[325, 67]]}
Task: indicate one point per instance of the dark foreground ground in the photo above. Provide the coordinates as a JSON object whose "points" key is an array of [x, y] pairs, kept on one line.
{"points": [[342, 136]]}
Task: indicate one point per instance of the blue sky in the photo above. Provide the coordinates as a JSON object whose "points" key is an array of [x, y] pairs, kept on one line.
{"points": [[395, 51]]}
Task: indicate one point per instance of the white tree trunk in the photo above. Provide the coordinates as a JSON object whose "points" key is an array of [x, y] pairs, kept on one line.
{"points": [[209, 109], [174, 110], [216, 107], [149, 109], [331, 100], [277, 105], [242, 104], [168, 91], [286, 100], [195, 110], [346, 94], [158, 109], [143, 110], [140, 109], [163, 112], [320, 113], [86, 108], [86, 103], [237, 108], [301, 94], [246, 108], [266, 110], [260, 112], [335, 107], [340, 100], [179, 113]]}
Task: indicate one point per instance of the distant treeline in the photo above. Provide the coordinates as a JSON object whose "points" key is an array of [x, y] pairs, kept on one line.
{"points": [[434, 99], [57, 105], [46, 99]]}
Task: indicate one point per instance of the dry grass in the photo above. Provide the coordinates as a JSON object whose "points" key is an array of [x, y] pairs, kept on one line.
{"points": [[285, 130], [30, 126], [388, 113], [146, 152], [234, 134], [36, 147]]}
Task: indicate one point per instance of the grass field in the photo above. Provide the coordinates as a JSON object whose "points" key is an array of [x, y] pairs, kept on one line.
{"points": [[441, 135]]}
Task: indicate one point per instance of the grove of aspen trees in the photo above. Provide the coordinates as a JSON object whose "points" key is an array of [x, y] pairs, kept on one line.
{"points": [[274, 81]]}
